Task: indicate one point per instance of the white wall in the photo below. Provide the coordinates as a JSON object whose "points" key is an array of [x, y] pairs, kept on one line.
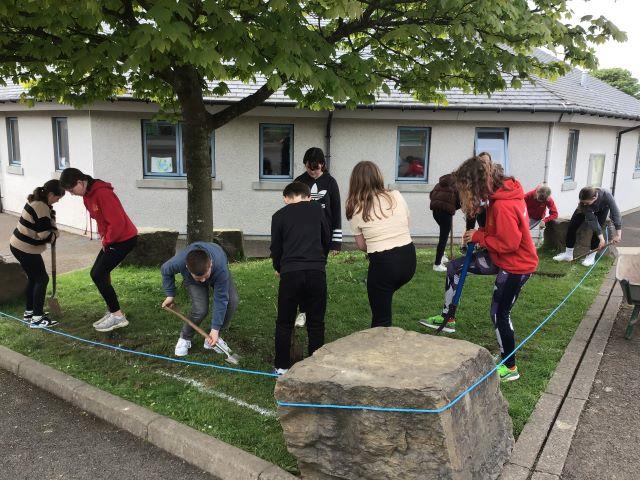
{"points": [[627, 187], [36, 152]]}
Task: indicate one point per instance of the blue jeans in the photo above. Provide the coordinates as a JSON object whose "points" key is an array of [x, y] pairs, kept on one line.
{"points": [[199, 295]]}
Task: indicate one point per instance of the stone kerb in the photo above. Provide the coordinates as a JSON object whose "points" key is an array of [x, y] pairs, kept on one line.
{"points": [[555, 235], [13, 281], [155, 246], [232, 242], [390, 367]]}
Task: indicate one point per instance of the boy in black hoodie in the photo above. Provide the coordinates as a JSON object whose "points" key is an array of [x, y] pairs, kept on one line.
{"points": [[300, 236]]}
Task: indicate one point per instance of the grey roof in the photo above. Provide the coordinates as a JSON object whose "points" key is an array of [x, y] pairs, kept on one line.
{"points": [[567, 94]]}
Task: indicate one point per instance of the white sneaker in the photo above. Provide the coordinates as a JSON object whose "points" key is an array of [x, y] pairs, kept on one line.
{"points": [[280, 371], [564, 257], [111, 323], [104, 317], [444, 260], [589, 260], [182, 347], [439, 268], [301, 320]]}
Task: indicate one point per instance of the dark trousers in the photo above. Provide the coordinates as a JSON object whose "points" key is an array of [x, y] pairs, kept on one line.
{"points": [[37, 279], [505, 293], [108, 259], [445, 222], [388, 271], [309, 286], [577, 219], [199, 295]]}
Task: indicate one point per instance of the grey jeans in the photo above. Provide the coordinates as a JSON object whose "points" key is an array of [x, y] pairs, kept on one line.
{"points": [[199, 295]]}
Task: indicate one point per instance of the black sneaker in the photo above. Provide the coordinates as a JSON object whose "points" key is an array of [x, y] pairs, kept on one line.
{"points": [[43, 322], [27, 316]]}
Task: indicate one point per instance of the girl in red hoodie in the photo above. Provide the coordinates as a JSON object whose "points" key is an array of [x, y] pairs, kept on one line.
{"points": [[119, 236], [509, 250]]}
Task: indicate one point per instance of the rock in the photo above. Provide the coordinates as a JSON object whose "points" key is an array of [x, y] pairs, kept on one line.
{"points": [[390, 367], [13, 281], [555, 236], [155, 246], [231, 241]]}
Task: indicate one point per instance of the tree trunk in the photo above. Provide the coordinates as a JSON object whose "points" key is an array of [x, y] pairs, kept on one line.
{"points": [[195, 138]]}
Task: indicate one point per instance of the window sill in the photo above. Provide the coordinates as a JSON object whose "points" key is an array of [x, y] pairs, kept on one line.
{"points": [[166, 183], [271, 185], [411, 187], [636, 174], [15, 170], [569, 185]]}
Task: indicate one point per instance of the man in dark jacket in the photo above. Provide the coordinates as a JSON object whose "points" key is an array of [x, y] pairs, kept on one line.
{"points": [[443, 203]]}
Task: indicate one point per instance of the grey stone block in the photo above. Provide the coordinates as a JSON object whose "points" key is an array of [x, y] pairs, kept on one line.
{"points": [[585, 329], [514, 472], [13, 281], [231, 241], [154, 247], [561, 378], [209, 454], [49, 379], [10, 360], [544, 476], [555, 236], [276, 473], [115, 410], [555, 452], [535, 431]]}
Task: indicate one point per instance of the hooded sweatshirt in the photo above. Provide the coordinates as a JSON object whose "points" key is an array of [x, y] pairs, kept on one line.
{"points": [[444, 196], [537, 209], [506, 234], [114, 225]]}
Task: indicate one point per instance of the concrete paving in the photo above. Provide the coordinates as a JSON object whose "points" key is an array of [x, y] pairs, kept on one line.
{"points": [[605, 444], [43, 437]]}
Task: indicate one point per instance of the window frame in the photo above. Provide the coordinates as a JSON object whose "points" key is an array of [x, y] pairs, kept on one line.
{"points": [[637, 166], [505, 142], [427, 153], [261, 176], [55, 121], [12, 149], [180, 173], [573, 148]]}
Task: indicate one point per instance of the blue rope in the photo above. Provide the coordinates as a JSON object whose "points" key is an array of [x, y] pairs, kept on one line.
{"points": [[323, 405], [145, 354]]}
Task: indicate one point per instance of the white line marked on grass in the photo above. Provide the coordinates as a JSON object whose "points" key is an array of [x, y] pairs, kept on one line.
{"points": [[201, 387]]}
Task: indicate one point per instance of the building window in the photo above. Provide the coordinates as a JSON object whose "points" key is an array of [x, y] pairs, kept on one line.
{"points": [[638, 156], [276, 151], [13, 141], [61, 142], [572, 154], [494, 141], [162, 147], [412, 154]]}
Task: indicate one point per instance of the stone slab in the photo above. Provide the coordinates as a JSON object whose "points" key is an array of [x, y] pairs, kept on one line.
{"points": [[10, 360], [49, 379], [514, 472]]}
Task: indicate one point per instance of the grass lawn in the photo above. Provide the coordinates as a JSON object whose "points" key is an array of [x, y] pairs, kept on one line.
{"points": [[153, 383]]}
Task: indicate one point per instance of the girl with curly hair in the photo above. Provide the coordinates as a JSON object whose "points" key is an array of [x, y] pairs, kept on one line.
{"points": [[380, 222], [507, 250]]}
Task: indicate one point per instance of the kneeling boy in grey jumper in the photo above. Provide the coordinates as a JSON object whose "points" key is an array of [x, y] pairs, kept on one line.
{"points": [[203, 266]]}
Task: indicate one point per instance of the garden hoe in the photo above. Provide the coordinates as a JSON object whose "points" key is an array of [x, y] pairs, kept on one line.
{"points": [[52, 301], [592, 251], [230, 356]]}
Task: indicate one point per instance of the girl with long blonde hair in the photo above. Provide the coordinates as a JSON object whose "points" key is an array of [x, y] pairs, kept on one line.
{"points": [[380, 223]]}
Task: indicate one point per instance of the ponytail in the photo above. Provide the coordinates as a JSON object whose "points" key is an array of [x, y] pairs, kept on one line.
{"points": [[41, 194]]}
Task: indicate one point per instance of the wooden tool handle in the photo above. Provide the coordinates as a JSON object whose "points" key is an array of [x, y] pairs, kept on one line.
{"points": [[187, 321], [593, 251]]}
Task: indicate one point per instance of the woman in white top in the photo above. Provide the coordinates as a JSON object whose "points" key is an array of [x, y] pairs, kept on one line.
{"points": [[380, 222]]}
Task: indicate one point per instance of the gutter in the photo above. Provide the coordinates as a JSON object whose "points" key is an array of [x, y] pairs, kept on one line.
{"points": [[327, 141], [617, 156]]}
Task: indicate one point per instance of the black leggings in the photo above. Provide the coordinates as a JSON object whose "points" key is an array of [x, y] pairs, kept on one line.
{"points": [[33, 265], [445, 222], [578, 219], [108, 259], [388, 271]]}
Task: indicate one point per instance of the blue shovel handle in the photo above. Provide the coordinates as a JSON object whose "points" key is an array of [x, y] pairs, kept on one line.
{"points": [[465, 268]]}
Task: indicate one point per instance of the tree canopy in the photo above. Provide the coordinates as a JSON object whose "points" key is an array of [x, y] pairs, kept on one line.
{"points": [[621, 79], [320, 52]]}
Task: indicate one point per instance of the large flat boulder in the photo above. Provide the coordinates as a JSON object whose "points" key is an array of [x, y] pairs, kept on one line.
{"points": [[391, 367], [155, 246], [13, 281], [232, 242], [555, 236]]}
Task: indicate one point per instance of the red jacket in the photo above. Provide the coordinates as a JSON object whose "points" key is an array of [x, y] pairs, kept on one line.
{"points": [[506, 234], [537, 209], [104, 207]]}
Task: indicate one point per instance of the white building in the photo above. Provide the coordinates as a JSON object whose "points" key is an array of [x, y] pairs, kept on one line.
{"points": [[563, 132]]}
